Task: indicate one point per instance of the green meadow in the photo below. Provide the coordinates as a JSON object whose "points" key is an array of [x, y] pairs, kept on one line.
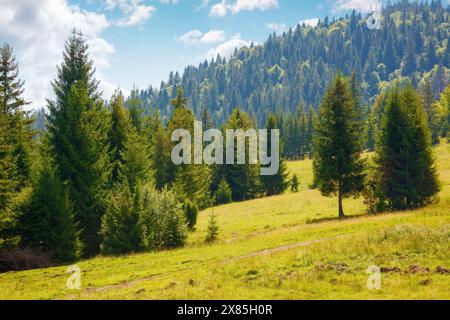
{"points": [[283, 247]]}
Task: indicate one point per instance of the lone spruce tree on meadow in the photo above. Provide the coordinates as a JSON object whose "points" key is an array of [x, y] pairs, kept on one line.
{"points": [[78, 139], [338, 144]]}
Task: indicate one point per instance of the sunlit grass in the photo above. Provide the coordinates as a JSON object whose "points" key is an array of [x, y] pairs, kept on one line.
{"points": [[326, 259]]}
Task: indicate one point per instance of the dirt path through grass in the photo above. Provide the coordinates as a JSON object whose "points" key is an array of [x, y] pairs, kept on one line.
{"points": [[265, 252]]}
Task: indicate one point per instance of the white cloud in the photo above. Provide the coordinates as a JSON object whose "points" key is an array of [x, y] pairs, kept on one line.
{"points": [[134, 12], [196, 36], [213, 36], [358, 5], [250, 5], [37, 31], [227, 49], [190, 38], [310, 22], [139, 15], [277, 27], [221, 9]]}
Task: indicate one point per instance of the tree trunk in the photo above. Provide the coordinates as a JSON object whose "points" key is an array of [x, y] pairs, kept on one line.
{"points": [[341, 210]]}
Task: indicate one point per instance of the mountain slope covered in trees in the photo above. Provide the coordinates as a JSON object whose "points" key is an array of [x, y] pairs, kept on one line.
{"points": [[295, 67]]}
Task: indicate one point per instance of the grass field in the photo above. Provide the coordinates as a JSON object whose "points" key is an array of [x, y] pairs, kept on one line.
{"points": [[283, 247]]}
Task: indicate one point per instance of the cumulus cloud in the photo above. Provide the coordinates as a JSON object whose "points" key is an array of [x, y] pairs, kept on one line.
{"points": [[227, 49], [37, 31], [190, 38], [359, 5], [221, 8], [196, 36], [134, 12], [213, 36]]}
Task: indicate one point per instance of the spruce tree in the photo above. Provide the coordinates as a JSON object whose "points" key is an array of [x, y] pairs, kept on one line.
{"points": [[17, 125], [192, 180], [275, 184], [370, 133], [160, 155], [406, 171], [223, 194], [135, 167], [7, 167], [310, 131], [9, 237], [48, 222], [78, 138], [120, 128], [121, 231], [428, 100], [243, 179], [213, 230], [338, 144], [423, 171], [15, 145]]}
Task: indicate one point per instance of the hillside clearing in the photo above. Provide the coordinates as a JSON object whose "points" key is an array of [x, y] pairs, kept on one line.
{"points": [[284, 247]]}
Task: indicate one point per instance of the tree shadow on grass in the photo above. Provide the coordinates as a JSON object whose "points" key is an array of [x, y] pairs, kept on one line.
{"points": [[332, 219]]}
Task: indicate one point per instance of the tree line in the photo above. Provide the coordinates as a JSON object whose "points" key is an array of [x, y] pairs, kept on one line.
{"points": [[296, 66], [100, 178]]}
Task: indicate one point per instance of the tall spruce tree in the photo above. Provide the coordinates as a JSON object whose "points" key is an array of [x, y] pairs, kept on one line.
{"points": [[406, 171], [338, 143], [7, 167], [310, 131], [191, 181], [275, 184], [78, 138], [160, 154], [121, 231], [135, 167], [243, 178], [15, 145], [18, 133], [428, 97], [120, 128], [9, 237]]}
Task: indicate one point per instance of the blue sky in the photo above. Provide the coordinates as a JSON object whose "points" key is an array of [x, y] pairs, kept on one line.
{"points": [[138, 42]]}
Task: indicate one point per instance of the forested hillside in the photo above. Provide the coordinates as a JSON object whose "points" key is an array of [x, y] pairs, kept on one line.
{"points": [[296, 66]]}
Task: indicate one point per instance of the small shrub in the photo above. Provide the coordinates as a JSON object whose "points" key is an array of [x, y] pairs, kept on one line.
{"points": [[294, 183], [162, 220], [213, 229]]}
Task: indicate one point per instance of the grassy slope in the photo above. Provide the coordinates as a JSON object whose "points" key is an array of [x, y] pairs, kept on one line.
{"points": [[284, 247]]}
